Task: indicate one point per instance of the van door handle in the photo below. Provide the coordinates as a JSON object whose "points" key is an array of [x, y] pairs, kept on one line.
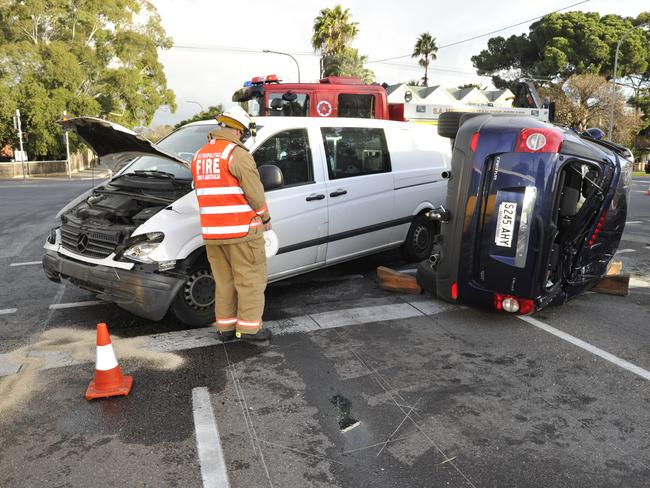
{"points": [[338, 193], [315, 196]]}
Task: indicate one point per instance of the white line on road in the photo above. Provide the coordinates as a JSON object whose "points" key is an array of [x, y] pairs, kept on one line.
{"points": [[7, 311], [634, 222], [189, 339], [27, 263], [623, 251], [622, 363], [59, 306], [208, 443]]}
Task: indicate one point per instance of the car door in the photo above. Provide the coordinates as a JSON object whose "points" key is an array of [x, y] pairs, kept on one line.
{"points": [[360, 192], [298, 208]]}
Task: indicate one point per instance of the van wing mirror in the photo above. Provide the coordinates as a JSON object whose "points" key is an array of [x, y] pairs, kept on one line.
{"points": [[271, 176]]}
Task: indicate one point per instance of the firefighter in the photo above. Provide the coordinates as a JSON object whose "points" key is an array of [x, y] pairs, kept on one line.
{"points": [[233, 216]]}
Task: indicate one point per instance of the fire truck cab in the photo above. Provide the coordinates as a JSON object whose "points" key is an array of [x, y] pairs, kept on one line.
{"points": [[334, 96]]}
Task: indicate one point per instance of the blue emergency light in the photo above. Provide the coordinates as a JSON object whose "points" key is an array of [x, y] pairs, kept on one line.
{"points": [[248, 83]]}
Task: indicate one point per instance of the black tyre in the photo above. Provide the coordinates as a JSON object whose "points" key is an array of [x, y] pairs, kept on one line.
{"points": [[448, 124], [426, 276], [419, 240], [194, 303]]}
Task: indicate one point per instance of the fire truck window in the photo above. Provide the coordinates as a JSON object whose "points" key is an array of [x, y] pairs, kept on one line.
{"points": [[361, 106], [295, 108], [355, 151], [288, 150]]}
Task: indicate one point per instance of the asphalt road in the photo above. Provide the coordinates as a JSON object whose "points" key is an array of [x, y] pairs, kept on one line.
{"points": [[359, 388]]}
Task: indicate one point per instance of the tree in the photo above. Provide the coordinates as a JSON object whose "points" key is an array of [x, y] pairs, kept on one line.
{"points": [[584, 101], [562, 44], [348, 63], [425, 49], [334, 31], [210, 113], [86, 57]]}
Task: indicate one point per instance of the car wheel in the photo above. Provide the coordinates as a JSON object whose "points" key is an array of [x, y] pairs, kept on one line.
{"points": [[194, 303], [426, 276], [448, 124], [419, 240]]}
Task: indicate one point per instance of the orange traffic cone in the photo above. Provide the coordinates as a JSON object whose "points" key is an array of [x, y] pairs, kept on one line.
{"points": [[108, 380]]}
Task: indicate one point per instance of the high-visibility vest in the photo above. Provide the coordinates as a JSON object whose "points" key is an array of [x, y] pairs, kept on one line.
{"points": [[224, 211]]}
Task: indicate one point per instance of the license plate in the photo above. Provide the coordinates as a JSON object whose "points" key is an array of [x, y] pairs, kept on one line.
{"points": [[505, 224]]}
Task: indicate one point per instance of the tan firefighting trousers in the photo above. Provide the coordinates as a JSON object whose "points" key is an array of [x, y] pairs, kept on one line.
{"points": [[239, 271]]}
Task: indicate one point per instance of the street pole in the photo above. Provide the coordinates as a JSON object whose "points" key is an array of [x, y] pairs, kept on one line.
{"points": [[197, 103], [20, 143], [613, 100], [285, 54], [67, 147]]}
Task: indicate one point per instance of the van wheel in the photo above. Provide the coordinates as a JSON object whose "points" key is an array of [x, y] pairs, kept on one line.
{"points": [[419, 240], [426, 277], [194, 303]]}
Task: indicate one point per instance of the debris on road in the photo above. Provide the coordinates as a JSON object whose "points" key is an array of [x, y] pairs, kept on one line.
{"points": [[392, 280]]}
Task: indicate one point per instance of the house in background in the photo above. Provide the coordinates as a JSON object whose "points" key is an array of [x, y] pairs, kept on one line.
{"points": [[471, 96], [500, 98]]}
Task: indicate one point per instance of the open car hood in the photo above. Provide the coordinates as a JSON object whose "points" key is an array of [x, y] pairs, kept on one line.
{"points": [[113, 143]]}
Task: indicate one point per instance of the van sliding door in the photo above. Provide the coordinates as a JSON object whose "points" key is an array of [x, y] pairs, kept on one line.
{"points": [[360, 192]]}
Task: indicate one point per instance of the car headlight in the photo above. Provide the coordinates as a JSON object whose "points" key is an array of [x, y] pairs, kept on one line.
{"points": [[142, 246], [51, 237]]}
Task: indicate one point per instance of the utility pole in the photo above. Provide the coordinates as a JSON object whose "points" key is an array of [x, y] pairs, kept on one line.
{"points": [[19, 130], [67, 147]]}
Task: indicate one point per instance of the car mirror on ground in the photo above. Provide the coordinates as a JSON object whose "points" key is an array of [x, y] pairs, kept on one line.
{"points": [[271, 176]]}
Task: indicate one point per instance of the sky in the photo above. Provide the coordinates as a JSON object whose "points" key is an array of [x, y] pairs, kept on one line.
{"points": [[218, 44]]}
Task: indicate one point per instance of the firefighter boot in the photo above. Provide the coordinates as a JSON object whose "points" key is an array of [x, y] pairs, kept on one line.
{"points": [[262, 335]]}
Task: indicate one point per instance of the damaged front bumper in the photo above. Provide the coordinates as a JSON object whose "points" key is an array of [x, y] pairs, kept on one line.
{"points": [[143, 293]]}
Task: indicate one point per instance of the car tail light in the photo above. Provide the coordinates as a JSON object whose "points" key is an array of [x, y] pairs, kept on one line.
{"points": [[474, 142], [454, 291], [541, 140], [512, 304], [599, 227]]}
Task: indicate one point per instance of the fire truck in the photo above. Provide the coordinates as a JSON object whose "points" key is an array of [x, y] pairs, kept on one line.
{"points": [[338, 96]]}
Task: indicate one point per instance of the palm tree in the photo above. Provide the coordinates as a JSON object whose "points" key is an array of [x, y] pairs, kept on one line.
{"points": [[348, 63], [426, 49], [333, 32]]}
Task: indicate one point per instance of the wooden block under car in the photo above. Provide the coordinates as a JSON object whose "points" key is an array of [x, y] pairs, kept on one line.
{"points": [[392, 280], [614, 285], [614, 268]]}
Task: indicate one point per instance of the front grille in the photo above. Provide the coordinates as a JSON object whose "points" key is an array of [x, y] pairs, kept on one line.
{"points": [[89, 243]]}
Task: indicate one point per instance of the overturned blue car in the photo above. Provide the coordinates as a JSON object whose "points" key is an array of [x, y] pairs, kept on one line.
{"points": [[533, 215]]}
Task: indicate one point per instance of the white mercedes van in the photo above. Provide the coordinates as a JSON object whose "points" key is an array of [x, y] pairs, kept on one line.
{"points": [[345, 188]]}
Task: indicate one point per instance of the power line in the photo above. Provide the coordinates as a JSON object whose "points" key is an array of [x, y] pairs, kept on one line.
{"points": [[486, 34], [233, 49]]}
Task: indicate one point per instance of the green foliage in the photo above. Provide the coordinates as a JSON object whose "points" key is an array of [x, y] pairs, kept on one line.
{"points": [[562, 44], [210, 113], [348, 63], [86, 57], [334, 31], [425, 49]]}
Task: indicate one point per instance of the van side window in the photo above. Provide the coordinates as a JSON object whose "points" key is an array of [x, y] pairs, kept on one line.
{"points": [[360, 106], [355, 151], [288, 150]]}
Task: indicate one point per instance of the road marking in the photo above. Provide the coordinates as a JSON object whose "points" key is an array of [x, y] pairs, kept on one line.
{"points": [[59, 306], [623, 251], [7, 311], [622, 363], [193, 338], [208, 443], [634, 222], [27, 263]]}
